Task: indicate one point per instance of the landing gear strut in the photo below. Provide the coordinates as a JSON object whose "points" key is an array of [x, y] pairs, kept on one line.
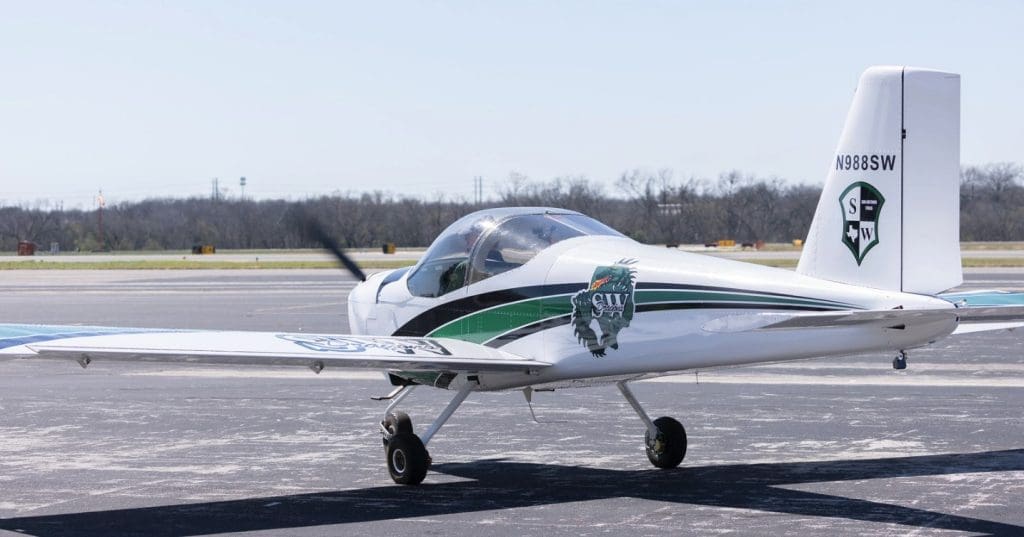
{"points": [[406, 454], [665, 438]]}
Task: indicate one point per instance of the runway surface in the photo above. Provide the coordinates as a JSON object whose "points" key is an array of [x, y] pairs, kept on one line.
{"points": [[828, 447]]}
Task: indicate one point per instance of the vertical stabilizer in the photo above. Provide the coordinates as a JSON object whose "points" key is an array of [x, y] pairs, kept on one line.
{"points": [[889, 215]]}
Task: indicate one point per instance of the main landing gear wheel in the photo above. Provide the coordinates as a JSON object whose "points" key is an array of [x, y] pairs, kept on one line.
{"points": [[406, 453], [408, 459], [900, 361], [394, 423], [667, 449]]}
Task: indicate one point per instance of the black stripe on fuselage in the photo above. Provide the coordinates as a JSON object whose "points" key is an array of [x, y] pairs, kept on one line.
{"points": [[442, 314], [683, 287], [532, 328], [724, 306]]}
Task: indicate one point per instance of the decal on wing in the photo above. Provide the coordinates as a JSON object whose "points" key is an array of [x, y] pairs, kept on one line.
{"points": [[408, 346]]}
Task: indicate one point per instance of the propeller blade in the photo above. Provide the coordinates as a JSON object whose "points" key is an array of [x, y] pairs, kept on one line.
{"points": [[313, 229]]}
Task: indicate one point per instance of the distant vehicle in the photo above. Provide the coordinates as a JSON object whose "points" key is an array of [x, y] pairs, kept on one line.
{"points": [[540, 298]]}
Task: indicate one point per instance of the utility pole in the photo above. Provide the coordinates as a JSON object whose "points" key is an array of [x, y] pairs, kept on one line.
{"points": [[100, 203], [215, 190], [478, 190], [241, 183]]}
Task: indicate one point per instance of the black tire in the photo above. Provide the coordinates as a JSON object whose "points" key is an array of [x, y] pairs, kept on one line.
{"points": [[394, 423], [398, 422], [669, 447], [407, 459]]}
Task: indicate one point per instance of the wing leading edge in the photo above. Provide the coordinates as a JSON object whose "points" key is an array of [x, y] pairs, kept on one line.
{"points": [[317, 351]]}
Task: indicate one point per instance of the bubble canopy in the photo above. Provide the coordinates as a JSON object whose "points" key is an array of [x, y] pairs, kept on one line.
{"points": [[489, 242]]}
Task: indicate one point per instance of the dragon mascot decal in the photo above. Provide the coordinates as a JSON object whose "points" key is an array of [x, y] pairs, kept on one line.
{"points": [[609, 301]]}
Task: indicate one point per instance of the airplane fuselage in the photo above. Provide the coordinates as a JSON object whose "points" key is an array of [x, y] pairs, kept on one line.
{"points": [[612, 308]]}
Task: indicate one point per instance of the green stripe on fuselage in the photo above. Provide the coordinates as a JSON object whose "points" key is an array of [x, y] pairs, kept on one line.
{"points": [[488, 324], [485, 325]]}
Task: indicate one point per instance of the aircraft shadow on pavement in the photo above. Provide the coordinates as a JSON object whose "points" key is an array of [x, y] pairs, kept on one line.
{"points": [[502, 484]]}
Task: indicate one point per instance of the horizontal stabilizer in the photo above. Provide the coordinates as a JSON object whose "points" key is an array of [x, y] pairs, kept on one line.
{"points": [[985, 327], [975, 311], [895, 318], [986, 310], [832, 319]]}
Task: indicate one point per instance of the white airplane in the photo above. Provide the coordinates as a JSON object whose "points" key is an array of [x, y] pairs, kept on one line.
{"points": [[538, 298]]}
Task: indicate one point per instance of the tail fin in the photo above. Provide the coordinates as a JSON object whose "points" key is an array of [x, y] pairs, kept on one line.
{"points": [[889, 215]]}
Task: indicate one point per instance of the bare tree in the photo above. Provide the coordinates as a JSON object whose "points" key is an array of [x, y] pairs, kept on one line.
{"points": [[653, 207]]}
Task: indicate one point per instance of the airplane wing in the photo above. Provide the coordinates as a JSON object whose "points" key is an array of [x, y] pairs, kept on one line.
{"points": [[316, 351]]}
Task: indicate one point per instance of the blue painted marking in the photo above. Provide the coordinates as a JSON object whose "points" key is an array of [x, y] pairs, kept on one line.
{"points": [[12, 335], [986, 298]]}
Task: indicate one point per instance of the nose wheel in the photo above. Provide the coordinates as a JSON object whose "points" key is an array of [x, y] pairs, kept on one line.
{"points": [[406, 453], [394, 423], [407, 459]]}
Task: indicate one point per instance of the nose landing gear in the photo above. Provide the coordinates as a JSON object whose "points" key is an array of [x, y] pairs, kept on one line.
{"points": [[406, 453]]}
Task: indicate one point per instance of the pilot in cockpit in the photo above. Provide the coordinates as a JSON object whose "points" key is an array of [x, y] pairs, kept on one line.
{"points": [[455, 276]]}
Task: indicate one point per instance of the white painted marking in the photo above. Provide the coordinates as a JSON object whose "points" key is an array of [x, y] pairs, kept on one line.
{"points": [[895, 379], [883, 363]]}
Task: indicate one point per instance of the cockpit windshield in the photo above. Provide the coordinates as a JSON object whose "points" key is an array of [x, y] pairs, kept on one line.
{"points": [[487, 243]]}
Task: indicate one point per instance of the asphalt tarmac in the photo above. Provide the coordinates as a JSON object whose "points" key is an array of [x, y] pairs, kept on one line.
{"points": [[827, 447]]}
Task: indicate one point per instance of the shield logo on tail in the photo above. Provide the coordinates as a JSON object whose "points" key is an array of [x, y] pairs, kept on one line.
{"points": [[861, 204]]}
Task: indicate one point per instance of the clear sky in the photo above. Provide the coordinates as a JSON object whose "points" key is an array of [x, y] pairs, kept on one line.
{"points": [[157, 98]]}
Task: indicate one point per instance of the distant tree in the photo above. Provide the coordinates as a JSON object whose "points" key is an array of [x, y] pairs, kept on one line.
{"points": [[650, 206]]}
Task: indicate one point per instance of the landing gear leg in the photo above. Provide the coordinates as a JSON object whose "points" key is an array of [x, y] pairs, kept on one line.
{"points": [[665, 438], [406, 454], [396, 422], [900, 361]]}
